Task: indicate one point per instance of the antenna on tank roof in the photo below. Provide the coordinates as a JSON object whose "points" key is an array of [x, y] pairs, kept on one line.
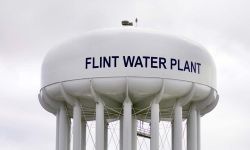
{"points": [[136, 21]]}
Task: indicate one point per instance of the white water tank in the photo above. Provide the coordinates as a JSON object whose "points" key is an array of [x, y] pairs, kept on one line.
{"points": [[122, 72]]}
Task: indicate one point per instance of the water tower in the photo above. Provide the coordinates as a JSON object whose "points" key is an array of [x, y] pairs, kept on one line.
{"points": [[118, 74]]}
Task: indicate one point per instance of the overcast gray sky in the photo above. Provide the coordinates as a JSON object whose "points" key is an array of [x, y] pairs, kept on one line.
{"points": [[29, 28]]}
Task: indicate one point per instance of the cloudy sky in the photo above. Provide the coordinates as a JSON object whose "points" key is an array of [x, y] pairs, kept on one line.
{"points": [[29, 28]]}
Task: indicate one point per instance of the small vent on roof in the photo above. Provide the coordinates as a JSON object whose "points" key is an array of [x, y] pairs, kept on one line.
{"points": [[127, 23]]}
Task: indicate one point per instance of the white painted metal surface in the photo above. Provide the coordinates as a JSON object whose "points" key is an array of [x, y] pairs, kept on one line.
{"points": [[127, 124], [83, 139], [83, 57], [99, 126], [134, 134], [130, 69], [192, 129]]}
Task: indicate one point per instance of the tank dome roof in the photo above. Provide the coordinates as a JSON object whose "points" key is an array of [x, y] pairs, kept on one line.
{"points": [[128, 52]]}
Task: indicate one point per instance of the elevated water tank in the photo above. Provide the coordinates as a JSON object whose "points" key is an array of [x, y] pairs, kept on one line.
{"points": [[122, 72]]}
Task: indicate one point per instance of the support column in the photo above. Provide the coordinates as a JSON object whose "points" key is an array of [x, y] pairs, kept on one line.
{"points": [[57, 129], [121, 132], [83, 140], [192, 129], [63, 135], [155, 119], [198, 131], [127, 125], [77, 126], [177, 142], [99, 126], [172, 134], [134, 134], [68, 132], [106, 125]]}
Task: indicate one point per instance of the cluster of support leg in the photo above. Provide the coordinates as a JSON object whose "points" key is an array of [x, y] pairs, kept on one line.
{"points": [[193, 129], [128, 124], [128, 128], [62, 130]]}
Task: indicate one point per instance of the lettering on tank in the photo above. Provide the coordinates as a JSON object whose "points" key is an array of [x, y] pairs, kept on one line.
{"points": [[151, 62]]}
